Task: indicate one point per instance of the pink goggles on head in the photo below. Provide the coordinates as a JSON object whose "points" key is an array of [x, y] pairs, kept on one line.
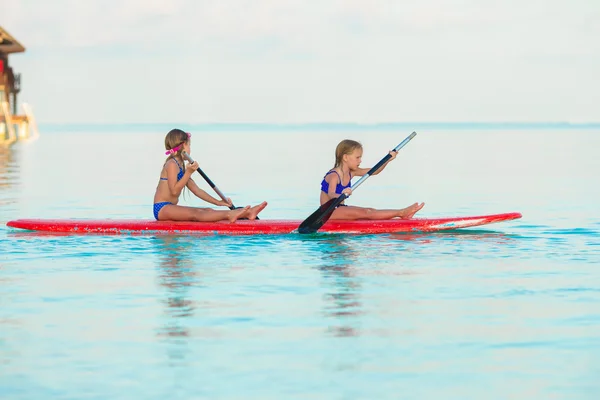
{"points": [[178, 147]]}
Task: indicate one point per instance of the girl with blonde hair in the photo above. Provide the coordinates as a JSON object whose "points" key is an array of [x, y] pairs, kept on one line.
{"points": [[348, 156], [175, 176]]}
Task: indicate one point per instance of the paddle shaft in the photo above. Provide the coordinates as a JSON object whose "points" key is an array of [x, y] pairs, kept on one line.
{"points": [[207, 179], [383, 161]]}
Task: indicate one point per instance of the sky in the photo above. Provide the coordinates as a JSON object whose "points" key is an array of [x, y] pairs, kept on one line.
{"points": [[299, 61]]}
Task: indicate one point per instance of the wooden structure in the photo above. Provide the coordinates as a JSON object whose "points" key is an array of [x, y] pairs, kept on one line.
{"points": [[10, 86]]}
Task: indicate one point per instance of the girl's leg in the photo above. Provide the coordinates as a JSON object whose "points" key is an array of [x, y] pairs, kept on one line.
{"points": [[353, 212], [172, 212]]}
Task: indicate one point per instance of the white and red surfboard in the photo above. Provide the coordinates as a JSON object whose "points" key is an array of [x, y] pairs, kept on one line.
{"points": [[256, 227]]}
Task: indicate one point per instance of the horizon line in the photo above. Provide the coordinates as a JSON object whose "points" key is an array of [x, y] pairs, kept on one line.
{"points": [[329, 125]]}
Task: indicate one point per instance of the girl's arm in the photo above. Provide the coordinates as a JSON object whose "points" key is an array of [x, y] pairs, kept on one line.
{"points": [[363, 171], [176, 187], [333, 180], [201, 194]]}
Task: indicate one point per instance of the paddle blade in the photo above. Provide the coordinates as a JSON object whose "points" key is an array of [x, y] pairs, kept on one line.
{"points": [[317, 219]]}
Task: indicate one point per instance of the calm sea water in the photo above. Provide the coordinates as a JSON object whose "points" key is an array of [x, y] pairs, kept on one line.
{"points": [[509, 311]]}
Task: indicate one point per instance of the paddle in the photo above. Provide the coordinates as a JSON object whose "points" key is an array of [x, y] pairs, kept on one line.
{"points": [[212, 185], [316, 220]]}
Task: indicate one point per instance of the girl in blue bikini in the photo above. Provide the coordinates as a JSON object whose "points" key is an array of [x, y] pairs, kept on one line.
{"points": [[348, 155], [175, 176]]}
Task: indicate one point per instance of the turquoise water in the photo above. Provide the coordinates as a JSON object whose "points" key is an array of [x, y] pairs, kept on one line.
{"points": [[509, 311]]}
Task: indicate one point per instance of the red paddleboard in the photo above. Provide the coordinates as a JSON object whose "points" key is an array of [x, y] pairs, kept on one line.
{"points": [[245, 227]]}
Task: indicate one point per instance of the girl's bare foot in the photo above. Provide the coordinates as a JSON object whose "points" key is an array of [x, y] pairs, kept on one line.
{"points": [[256, 209], [237, 213], [410, 211]]}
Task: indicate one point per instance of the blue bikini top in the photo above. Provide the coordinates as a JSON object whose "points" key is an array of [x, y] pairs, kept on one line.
{"points": [[179, 175], [339, 187]]}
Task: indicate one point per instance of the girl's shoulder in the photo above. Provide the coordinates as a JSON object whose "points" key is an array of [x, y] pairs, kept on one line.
{"points": [[332, 173], [172, 161]]}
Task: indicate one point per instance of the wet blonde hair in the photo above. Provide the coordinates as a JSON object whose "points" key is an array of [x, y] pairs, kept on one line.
{"points": [[176, 137], [346, 146]]}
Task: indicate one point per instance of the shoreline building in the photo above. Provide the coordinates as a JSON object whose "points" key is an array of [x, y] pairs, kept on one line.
{"points": [[14, 126]]}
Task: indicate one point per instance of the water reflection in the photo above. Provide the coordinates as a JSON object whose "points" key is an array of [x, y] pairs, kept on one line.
{"points": [[11, 323], [176, 274], [498, 237], [8, 169], [349, 261], [342, 302]]}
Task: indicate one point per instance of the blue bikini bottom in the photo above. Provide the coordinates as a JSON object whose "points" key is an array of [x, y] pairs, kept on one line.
{"points": [[158, 207]]}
